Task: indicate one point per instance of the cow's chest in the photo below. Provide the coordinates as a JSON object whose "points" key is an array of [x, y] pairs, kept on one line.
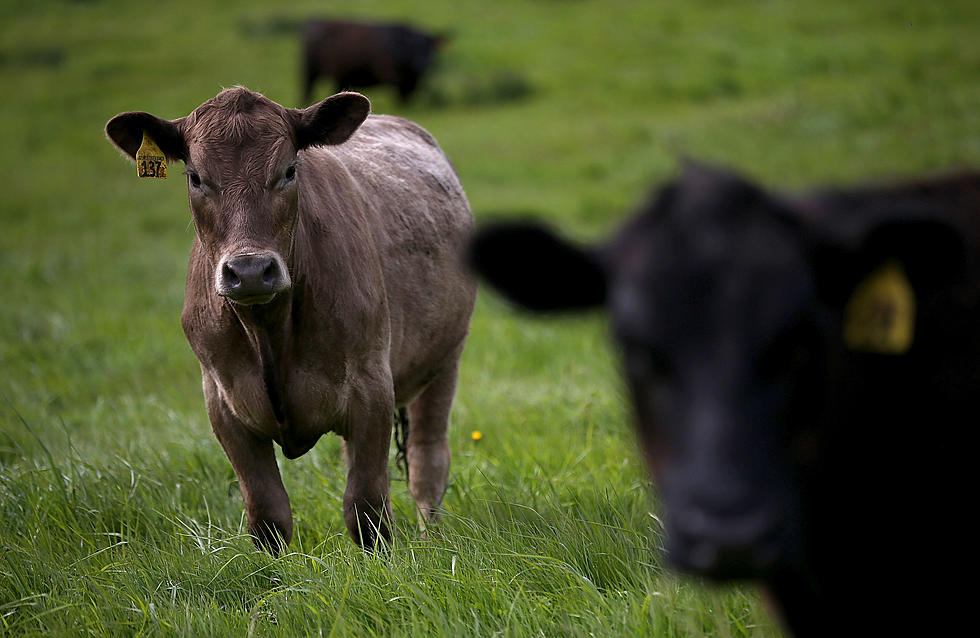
{"points": [[315, 397], [303, 399]]}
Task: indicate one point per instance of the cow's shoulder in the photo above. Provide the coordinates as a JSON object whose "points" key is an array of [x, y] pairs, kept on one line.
{"points": [[396, 130], [401, 159]]}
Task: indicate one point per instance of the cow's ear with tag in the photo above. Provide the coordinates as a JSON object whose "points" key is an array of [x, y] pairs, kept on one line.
{"points": [[533, 268], [129, 131], [331, 121], [875, 272]]}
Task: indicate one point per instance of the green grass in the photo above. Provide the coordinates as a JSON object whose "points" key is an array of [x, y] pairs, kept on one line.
{"points": [[120, 514]]}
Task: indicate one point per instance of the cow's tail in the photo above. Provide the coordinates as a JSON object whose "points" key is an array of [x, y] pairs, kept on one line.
{"points": [[401, 439]]}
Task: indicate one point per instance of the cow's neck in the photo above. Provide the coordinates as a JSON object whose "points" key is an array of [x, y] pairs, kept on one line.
{"points": [[267, 328]]}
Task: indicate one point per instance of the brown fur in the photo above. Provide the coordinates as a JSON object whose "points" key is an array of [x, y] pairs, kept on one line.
{"points": [[376, 310]]}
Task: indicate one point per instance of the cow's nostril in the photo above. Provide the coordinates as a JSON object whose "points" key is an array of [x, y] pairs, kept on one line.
{"points": [[270, 275], [230, 276]]}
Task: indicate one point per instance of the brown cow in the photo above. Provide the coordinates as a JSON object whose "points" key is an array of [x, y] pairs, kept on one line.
{"points": [[363, 54], [323, 292]]}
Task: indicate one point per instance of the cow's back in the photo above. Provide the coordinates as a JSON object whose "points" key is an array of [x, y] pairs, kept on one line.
{"points": [[417, 214], [358, 52]]}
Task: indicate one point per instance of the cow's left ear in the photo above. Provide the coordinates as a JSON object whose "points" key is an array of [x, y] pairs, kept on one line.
{"points": [[126, 131], [331, 121], [534, 268]]}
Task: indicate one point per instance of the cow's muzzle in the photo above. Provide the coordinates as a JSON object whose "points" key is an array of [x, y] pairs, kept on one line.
{"points": [[252, 278]]}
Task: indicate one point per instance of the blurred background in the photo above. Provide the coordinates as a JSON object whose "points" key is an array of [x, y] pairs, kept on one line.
{"points": [[570, 110]]}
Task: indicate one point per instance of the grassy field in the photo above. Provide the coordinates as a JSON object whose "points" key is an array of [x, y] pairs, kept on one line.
{"points": [[120, 514]]}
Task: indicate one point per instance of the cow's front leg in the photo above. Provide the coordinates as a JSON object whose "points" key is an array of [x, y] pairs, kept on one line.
{"points": [[367, 510], [270, 520]]}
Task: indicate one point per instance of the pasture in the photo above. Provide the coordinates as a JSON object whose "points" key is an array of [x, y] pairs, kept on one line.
{"points": [[120, 512]]}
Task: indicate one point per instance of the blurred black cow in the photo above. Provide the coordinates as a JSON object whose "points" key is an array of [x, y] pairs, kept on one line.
{"points": [[806, 377], [359, 54]]}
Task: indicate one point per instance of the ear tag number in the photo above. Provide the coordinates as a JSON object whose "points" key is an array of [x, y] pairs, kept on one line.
{"points": [[880, 315], [150, 160]]}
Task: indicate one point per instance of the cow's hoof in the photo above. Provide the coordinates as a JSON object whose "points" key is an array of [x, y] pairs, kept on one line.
{"points": [[271, 536], [369, 527]]}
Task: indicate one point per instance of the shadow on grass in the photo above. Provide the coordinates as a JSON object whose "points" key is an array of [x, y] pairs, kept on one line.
{"points": [[497, 87], [33, 57]]}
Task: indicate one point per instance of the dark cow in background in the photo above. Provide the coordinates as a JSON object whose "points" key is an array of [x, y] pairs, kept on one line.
{"points": [[805, 377], [360, 54], [324, 291]]}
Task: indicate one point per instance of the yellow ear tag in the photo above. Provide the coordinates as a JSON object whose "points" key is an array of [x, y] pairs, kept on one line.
{"points": [[150, 160], [880, 315]]}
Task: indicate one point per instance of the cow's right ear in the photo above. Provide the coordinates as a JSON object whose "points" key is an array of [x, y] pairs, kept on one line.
{"points": [[126, 132], [331, 121], [537, 270]]}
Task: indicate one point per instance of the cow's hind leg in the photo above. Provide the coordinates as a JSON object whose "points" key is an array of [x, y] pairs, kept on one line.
{"points": [[406, 87], [428, 442]]}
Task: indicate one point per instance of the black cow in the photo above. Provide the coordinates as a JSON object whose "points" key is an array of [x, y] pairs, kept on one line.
{"points": [[359, 54], [805, 377]]}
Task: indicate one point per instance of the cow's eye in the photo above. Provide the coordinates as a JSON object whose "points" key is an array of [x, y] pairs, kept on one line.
{"points": [[194, 178], [289, 175]]}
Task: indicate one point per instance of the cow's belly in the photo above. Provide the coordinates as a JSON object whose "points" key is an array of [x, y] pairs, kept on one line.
{"points": [[428, 331], [412, 378]]}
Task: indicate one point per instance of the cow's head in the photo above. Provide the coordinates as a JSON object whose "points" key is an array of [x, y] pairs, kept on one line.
{"points": [[240, 151], [729, 309], [421, 50]]}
